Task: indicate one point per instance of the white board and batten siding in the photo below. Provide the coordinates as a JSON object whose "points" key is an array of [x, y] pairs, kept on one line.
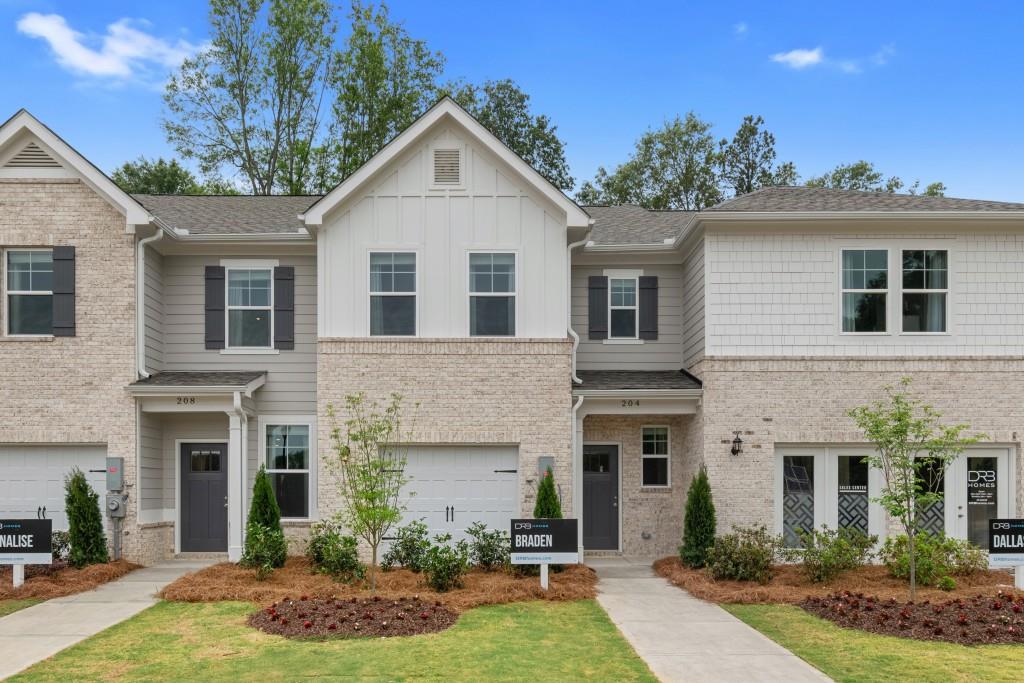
{"points": [[32, 477], [402, 210]]}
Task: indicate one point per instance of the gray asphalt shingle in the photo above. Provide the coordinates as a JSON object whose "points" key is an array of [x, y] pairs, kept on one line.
{"points": [[785, 199], [185, 379], [630, 224], [228, 215], [611, 380]]}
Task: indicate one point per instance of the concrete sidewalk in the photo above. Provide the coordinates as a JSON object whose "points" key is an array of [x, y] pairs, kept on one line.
{"points": [[685, 639], [41, 631]]}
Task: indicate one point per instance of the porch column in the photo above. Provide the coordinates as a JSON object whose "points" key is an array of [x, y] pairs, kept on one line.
{"points": [[577, 468], [236, 511]]}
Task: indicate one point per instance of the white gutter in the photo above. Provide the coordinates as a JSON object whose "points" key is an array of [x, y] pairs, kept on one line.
{"points": [[140, 302], [568, 305]]}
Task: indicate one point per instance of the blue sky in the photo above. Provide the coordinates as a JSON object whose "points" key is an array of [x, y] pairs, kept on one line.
{"points": [[932, 92]]}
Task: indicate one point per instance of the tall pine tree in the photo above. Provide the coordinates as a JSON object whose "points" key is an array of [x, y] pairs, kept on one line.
{"points": [[548, 506], [699, 523]]}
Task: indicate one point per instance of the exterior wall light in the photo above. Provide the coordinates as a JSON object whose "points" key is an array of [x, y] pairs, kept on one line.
{"points": [[737, 444]]}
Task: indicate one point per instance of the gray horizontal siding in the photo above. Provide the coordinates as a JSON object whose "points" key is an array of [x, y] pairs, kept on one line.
{"points": [[151, 463], [154, 310], [693, 308]]}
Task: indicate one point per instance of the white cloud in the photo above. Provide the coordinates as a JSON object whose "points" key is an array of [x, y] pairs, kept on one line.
{"points": [[800, 58], [740, 29], [881, 58], [125, 52]]}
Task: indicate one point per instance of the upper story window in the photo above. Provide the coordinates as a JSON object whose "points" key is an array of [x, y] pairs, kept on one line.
{"points": [[622, 308], [492, 295], [865, 289], [29, 292], [925, 289], [250, 307], [655, 456], [393, 294]]}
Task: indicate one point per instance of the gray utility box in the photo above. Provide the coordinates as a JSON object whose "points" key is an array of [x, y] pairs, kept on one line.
{"points": [[117, 504], [543, 463], [115, 474]]}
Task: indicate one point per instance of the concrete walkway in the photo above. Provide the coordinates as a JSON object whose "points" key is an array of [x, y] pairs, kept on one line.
{"points": [[41, 631], [685, 639]]}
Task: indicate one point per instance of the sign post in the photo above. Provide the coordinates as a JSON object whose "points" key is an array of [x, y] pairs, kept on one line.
{"points": [[544, 542], [25, 541], [1006, 546]]}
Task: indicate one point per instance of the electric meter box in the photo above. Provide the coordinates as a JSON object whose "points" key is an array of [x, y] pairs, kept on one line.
{"points": [[115, 474]]}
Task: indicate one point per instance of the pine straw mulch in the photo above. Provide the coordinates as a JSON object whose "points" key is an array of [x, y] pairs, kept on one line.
{"points": [[789, 586], [227, 581], [57, 581]]}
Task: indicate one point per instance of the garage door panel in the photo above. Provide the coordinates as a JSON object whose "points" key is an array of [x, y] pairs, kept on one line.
{"points": [[32, 477]]}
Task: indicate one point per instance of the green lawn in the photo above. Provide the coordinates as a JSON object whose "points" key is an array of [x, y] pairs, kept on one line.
{"points": [[539, 641], [851, 655], [9, 606]]}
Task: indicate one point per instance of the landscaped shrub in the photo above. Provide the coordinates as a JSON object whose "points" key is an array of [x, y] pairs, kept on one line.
{"points": [[548, 506], [85, 523], [60, 543], [265, 549], [446, 563], [746, 554], [264, 509], [946, 583], [490, 548], [937, 557], [699, 522], [826, 553], [409, 549], [334, 553]]}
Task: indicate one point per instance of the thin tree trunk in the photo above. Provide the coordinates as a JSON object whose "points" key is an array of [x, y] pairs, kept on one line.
{"points": [[913, 565], [373, 570]]}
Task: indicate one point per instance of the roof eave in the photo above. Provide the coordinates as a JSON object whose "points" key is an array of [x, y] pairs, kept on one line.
{"points": [[743, 216]]}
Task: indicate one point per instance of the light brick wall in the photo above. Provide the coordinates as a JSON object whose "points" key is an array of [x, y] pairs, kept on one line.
{"points": [[70, 390], [804, 401], [509, 391]]}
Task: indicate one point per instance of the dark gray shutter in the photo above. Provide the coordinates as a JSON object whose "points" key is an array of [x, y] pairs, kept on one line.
{"points": [[215, 307], [284, 308], [597, 307], [63, 291], [648, 307]]}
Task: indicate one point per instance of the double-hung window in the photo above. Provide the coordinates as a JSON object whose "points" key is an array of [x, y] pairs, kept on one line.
{"points": [[654, 456], [622, 308], [492, 295], [288, 466], [250, 307], [925, 289], [865, 289], [393, 294], [29, 292]]}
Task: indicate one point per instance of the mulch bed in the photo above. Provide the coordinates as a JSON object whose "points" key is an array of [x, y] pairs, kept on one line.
{"points": [[59, 579], [306, 617], [976, 620], [788, 585], [227, 581]]}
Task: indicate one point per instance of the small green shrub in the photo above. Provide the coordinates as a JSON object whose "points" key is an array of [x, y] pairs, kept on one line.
{"points": [[699, 522], [85, 523], [490, 548], [746, 554], [263, 509], [547, 506], [946, 583], [60, 543], [446, 563], [334, 553], [265, 549], [937, 556], [826, 553], [409, 549]]}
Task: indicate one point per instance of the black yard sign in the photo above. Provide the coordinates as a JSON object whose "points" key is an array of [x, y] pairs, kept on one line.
{"points": [[26, 541], [545, 541], [1006, 542]]}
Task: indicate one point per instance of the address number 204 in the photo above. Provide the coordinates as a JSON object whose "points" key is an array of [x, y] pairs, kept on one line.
{"points": [[630, 403]]}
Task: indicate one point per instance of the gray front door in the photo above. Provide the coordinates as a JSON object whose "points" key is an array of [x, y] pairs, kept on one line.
{"points": [[204, 492], [601, 497]]}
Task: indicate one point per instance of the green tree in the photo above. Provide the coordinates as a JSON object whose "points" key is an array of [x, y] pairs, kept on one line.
{"points": [[936, 189], [263, 509], [699, 522], [864, 177], [673, 167], [251, 101], [504, 109], [747, 162], [547, 506], [85, 523], [913, 449], [146, 176], [370, 458]]}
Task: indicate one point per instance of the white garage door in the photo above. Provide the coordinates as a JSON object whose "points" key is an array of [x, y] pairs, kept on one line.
{"points": [[32, 477], [456, 486]]}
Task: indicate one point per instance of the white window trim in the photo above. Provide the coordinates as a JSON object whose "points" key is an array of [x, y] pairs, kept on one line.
{"points": [[667, 457], [415, 294], [247, 264], [514, 293], [946, 291], [5, 292], [633, 275], [888, 291], [309, 421]]}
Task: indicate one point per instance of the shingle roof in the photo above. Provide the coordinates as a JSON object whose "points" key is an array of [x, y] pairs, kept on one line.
{"points": [[228, 215], [630, 224], [228, 379], [786, 199], [611, 380]]}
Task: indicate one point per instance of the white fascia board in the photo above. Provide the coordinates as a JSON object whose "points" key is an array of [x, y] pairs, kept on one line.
{"points": [[575, 216], [742, 216], [52, 143]]}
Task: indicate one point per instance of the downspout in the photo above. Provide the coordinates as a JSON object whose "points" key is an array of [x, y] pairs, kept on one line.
{"points": [[568, 311], [140, 302]]}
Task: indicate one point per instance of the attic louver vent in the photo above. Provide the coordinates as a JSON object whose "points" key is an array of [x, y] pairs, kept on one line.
{"points": [[32, 156], [447, 170]]}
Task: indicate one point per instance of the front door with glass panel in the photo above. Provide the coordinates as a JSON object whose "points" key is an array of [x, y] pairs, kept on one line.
{"points": [[977, 490], [204, 497]]}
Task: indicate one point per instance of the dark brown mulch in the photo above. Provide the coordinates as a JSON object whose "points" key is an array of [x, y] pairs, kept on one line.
{"points": [[976, 620], [56, 581], [789, 585], [305, 617]]}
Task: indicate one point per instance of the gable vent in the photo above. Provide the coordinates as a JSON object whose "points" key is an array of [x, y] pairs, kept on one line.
{"points": [[447, 167], [32, 156]]}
